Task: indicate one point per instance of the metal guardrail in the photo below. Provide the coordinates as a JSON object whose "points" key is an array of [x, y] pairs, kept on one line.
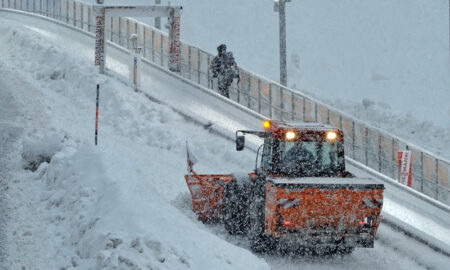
{"points": [[365, 143]]}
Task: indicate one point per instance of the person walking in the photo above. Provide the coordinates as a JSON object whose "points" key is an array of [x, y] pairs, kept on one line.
{"points": [[224, 68]]}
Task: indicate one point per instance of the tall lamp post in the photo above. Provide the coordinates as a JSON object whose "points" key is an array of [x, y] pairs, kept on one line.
{"points": [[280, 7], [158, 19]]}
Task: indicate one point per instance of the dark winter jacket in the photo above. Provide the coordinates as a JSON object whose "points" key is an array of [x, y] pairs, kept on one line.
{"points": [[224, 68]]}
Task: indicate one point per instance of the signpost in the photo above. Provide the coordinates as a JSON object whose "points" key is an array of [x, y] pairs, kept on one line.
{"points": [[173, 12], [405, 167], [100, 40], [174, 40], [135, 65]]}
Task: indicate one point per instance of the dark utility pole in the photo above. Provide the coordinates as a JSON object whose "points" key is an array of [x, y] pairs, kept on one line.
{"points": [[158, 19], [280, 7], [283, 68]]}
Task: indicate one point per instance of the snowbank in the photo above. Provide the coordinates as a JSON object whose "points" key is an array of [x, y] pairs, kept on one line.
{"points": [[117, 218], [117, 205]]}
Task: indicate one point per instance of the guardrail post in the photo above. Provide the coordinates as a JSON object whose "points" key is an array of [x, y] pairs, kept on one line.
{"points": [[198, 66], [281, 103], [315, 112], [270, 101], [353, 139], [60, 10], [189, 62], [366, 135], [153, 46], [239, 92], [161, 50], [209, 75], [304, 109], [120, 30], [111, 29], [67, 13], [259, 95], [40, 7], [436, 178], [127, 35], [421, 171], [54, 9], [74, 13], [292, 106], [394, 159], [248, 92], [379, 152], [82, 16], [89, 19], [144, 40], [328, 116], [47, 10]]}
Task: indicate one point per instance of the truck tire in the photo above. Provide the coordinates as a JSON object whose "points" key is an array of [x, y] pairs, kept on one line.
{"points": [[344, 250], [235, 209], [259, 242]]}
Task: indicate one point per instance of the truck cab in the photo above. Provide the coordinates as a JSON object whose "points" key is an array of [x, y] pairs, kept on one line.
{"points": [[301, 151]]}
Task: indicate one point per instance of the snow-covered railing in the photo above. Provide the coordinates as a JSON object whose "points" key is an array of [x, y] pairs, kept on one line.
{"points": [[365, 143]]}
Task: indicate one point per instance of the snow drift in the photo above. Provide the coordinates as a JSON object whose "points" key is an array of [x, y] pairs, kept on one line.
{"points": [[113, 206]]}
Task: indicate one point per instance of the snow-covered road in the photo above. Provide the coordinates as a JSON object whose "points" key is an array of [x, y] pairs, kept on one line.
{"points": [[131, 125]]}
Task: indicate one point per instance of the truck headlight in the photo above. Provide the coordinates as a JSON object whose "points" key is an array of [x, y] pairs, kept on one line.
{"points": [[290, 135], [331, 135]]}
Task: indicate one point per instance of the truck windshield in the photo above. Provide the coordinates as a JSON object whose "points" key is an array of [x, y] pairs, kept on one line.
{"points": [[309, 158]]}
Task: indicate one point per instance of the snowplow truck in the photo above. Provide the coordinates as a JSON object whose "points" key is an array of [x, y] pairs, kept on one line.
{"points": [[299, 197]]}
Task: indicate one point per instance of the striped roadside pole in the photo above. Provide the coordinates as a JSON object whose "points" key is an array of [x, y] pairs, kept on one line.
{"points": [[96, 114]]}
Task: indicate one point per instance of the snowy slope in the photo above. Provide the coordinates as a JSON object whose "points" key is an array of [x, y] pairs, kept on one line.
{"points": [[117, 204], [383, 61], [112, 205]]}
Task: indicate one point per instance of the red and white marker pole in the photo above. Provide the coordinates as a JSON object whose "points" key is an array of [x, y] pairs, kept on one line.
{"points": [[405, 167], [96, 114]]}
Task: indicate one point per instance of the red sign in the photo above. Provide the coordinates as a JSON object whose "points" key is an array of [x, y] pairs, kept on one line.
{"points": [[99, 46], [175, 46], [405, 168]]}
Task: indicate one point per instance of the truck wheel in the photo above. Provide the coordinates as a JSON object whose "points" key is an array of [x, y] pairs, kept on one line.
{"points": [[259, 242], [235, 217], [345, 251]]}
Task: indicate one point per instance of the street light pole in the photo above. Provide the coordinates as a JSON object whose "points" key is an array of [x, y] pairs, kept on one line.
{"points": [[282, 13], [158, 19], [280, 7]]}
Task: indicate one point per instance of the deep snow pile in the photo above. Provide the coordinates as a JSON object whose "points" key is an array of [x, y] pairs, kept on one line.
{"points": [[113, 206]]}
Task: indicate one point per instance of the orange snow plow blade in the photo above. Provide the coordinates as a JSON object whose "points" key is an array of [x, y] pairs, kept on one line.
{"points": [[331, 208], [207, 194]]}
